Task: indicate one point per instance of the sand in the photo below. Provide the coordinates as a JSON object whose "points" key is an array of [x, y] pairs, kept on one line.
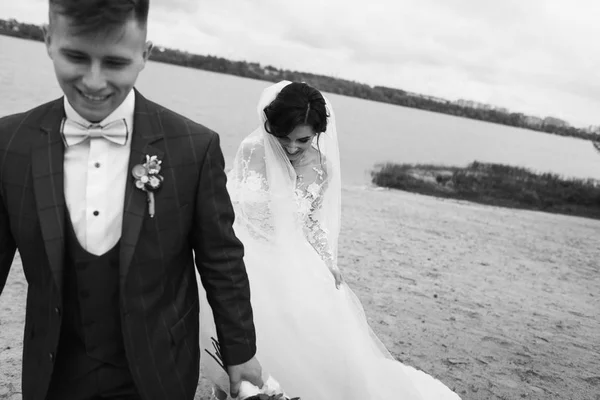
{"points": [[497, 303]]}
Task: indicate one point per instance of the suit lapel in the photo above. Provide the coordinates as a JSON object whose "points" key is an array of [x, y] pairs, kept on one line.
{"points": [[48, 184], [146, 132]]}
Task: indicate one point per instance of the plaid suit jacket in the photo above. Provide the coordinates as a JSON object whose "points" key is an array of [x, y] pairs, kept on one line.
{"points": [[159, 298]]}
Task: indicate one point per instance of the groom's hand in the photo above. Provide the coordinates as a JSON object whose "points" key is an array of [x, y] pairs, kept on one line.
{"points": [[250, 371]]}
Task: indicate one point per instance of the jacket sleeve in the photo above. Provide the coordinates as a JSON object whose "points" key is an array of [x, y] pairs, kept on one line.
{"points": [[219, 259], [7, 244]]}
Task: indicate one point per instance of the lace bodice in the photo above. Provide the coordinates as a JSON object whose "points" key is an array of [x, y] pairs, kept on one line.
{"points": [[251, 199]]}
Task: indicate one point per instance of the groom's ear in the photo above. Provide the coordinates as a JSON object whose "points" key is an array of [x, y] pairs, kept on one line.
{"points": [[148, 50], [47, 30]]}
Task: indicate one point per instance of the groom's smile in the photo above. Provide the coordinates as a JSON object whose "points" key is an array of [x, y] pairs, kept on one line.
{"points": [[94, 98], [96, 70], [94, 102]]}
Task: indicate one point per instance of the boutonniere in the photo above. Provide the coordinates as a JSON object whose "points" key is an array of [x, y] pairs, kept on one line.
{"points": [[148, 179]]}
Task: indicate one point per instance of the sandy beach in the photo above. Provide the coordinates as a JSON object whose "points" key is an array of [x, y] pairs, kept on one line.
{"points": [[497, 303]]}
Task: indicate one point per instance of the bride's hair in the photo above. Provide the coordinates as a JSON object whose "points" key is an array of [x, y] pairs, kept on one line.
{"points": [[296, 104]]}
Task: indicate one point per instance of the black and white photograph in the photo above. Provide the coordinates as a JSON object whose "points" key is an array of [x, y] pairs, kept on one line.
{"points": [[316, 200]]}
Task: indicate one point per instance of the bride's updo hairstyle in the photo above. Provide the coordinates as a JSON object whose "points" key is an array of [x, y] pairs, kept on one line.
{"points": [[296, 104]]}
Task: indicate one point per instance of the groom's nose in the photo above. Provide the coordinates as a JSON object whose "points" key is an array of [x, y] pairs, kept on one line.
{"points": [[94, 79]]}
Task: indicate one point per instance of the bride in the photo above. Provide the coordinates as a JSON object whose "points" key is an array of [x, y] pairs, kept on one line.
{"points": [[312, 333]]}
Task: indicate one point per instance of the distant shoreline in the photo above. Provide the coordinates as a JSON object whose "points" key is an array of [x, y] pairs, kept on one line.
{"points": [[344, 87], [495, 184]]}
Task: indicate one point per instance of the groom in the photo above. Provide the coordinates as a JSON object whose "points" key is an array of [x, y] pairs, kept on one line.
{"points": [[112, 302]]}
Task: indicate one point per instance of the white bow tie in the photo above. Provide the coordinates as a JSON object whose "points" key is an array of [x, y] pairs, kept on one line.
{"points": [[75, 133]]}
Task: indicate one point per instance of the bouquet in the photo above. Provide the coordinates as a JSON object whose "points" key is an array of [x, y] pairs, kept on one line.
{"points": [[271, 389]]}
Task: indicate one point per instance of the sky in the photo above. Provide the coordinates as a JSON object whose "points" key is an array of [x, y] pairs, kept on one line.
{"points": [[538, 57]]}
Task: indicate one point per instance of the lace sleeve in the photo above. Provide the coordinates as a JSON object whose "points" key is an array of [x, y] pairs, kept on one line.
{"points": [[249, 191], [315, 233]]}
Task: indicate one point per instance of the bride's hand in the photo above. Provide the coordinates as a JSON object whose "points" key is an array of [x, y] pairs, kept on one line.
{"points": [[337, 275]]}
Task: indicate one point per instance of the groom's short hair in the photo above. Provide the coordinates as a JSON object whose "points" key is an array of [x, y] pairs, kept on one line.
{"points": [[89, 16]]}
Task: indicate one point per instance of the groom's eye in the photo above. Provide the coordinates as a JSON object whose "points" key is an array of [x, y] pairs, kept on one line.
{"points": [[76, 57], [116, 64]]}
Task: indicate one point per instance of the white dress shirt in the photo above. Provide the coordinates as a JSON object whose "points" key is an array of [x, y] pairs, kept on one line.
{"points": [[95, 173]]}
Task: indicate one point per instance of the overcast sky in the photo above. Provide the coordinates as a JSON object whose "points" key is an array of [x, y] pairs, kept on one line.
{"points": [[535, 56]]}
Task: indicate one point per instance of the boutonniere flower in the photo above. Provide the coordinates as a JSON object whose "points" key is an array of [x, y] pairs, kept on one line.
{"points": [[148, 179]]}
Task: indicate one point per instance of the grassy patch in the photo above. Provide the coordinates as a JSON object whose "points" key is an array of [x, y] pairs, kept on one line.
{"points": [[495, 184]]}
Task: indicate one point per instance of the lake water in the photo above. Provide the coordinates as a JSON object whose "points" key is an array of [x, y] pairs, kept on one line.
{"points": [[370, 132]]}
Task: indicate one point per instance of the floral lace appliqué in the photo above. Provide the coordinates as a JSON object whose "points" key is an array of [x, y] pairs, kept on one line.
{"points": [[309, 199]]}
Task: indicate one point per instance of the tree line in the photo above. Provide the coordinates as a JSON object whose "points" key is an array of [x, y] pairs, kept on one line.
{"points": [[326, 83]]}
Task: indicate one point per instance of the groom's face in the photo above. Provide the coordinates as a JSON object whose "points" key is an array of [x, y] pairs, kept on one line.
{"points": [[96, 71]]}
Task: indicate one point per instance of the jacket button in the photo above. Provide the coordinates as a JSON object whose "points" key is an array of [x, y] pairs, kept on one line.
{"points": [[51, 356], [57, 310]]}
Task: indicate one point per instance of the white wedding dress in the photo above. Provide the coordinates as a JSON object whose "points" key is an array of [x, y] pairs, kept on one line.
{"points": [[312, 338]]}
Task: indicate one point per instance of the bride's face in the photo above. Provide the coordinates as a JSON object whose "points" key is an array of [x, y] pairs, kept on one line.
{"points": [[297, 142]]}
